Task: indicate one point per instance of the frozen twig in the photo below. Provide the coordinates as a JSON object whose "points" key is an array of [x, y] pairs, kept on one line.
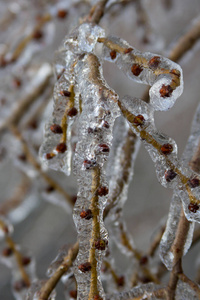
{"points": [[33, 161], [61, 270], [186, 41], [16, 252]]}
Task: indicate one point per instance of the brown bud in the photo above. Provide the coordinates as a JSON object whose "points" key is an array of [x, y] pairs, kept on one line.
{"points": [[138, 120], [22, 157], [33, 124], [85, 267], [86, 214], [26, 260], [136, 69], [37, 34], [170, 175], [49, 156], [104, 148], [166, 91], [194, 182], [7, 252], [101, 244], [166, 149], [193, 207], [50, 189], [143, 260], [61, 148], [72, 112], [103, 191], [55, 128], [175, 72], [65, 93], [97, 297], [61, 14], [120, 281], [106, 125], [113, 54], [88, 164], [17, 82], [154, 62], [73, 294], [128, 50], [20, 285]]}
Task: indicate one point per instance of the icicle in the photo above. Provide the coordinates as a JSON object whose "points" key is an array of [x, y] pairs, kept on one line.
{"points": [[163, 75]]}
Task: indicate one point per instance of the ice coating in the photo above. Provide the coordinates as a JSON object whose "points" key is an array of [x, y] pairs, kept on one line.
{"points": [[175, 208], [143, 291], [120, 169], [58, 260], [56, 151], [169, 236], [35, 291], [121, 162], [163, 151], [84, 38], [164, 76], [184, 291], [94, 141]]}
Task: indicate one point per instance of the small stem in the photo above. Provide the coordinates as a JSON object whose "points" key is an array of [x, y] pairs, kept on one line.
{"points": [[18, 257], [97, 12], [95, 233], [154, 245], [22, 45], [32, 160], [144, 135], [26, 102], [185, 42], [177, 250], [195, 161], [61, 270]]}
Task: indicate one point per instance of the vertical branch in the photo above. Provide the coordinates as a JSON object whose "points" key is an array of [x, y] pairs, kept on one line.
{"points": [[95, 233]]}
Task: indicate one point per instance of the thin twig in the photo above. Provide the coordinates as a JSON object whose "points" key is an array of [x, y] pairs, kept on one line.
{"points": [[61, 270], [185, 42], [33, 161], [156, 241], [177, 250], [26, 102], [96, 229], [97, 12], [18, 256]]}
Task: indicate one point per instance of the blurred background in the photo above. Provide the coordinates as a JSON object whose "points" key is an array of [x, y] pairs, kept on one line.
{"points": [[148, 25]]}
